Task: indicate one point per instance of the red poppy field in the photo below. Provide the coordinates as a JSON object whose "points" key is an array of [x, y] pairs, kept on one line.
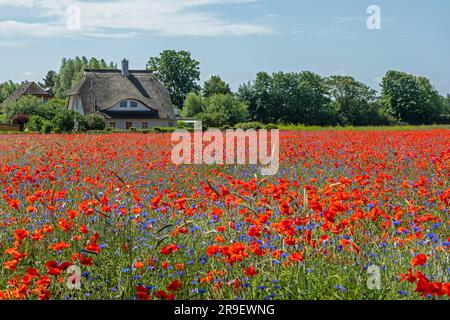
{"points": [[350, 215]]}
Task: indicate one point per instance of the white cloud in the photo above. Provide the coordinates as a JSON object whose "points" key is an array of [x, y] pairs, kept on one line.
{"points": [[126, 18]]}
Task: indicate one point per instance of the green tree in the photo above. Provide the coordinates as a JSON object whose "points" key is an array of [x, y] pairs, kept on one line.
{"points": [[7, 88], [259, 98], [49, 81], [215, 85], [193, 105], [223, 109], [71, 71], [288, 98], [354, 102], [178, 72], [411, 99]]}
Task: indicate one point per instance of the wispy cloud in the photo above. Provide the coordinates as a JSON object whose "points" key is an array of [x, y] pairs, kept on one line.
{"points": [[125, 18]]}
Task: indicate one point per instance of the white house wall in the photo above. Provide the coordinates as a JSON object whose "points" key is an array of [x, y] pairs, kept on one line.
{"points": [[75, 104], [137, 123]]}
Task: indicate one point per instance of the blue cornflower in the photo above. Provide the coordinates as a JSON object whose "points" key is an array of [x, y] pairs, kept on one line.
{"points": [[340, 288]]}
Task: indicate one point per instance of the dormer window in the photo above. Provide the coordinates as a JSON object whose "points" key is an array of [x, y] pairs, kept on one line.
{"points": [[123, 104], [133, 104]]}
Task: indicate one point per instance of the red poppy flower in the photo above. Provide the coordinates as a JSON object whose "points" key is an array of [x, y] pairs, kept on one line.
{"points": [[251, 272], [419, 260], [296, 256], [142, 293], [175, 285], [169, 249]]}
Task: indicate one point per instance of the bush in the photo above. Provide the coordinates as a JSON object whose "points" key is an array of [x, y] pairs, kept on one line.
{"points": [[271, 126], [226, 127], [47, 127], [165, 129], [68, 121], [249, 125], [133, 129], [20, 119], [95, 122], [35, 124], [28, 105], [182, 125]]}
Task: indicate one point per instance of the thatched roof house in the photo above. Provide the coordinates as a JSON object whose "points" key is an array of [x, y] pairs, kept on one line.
{"points": [[125, 98], [27, 88]]}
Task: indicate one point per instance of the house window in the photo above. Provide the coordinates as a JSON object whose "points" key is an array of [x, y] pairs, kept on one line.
{"points": [[112, 125], [133, 104], [144, 125], [128, 125], [123, 104]]}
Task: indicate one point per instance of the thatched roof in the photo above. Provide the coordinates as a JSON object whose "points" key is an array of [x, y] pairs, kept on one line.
{"points": [[99, 90], [27, 88]]}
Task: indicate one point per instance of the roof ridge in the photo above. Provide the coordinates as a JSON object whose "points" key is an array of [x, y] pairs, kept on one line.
{"points": [[102, 70]]}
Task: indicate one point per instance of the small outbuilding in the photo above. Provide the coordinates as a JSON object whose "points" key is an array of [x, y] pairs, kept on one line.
{"points": [[27, 89]]}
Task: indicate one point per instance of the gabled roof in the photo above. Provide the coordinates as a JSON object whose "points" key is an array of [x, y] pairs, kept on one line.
{"points": [[99, 90], [27, 88]]}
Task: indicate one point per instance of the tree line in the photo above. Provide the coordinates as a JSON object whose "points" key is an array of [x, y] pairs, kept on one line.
{"points": [[280, 98]]}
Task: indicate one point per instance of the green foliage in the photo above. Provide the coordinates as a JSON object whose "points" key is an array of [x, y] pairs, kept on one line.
{"points": [[178, 72], [7, 88], [354, 102], [49, 81], [165, 129], [95, 122], [51, 116], [47, 127], [68, 120], [223, 110], [182, 125], [71, 71], [193, 105], [249, 125], [33, 106], [411, 99], [215, 85], [35, 124], [270, 126], [25, 105], [288, 97]]}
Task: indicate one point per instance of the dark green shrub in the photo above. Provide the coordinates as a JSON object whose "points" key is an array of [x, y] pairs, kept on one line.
{"points": [[249, 125], [68, 121], [35, 124], [95, 122]]}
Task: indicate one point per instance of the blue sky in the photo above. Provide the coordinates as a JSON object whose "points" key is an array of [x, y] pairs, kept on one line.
{"points": [[232, 38]]}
